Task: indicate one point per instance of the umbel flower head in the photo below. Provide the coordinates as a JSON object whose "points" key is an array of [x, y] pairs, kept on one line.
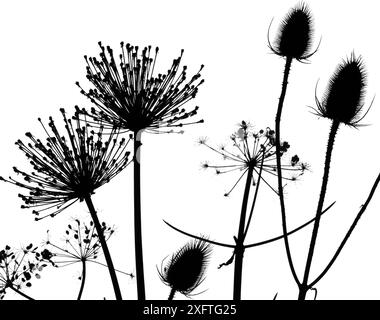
{"points": [[128, 94], [81, 244], [17, 268], [256, 150], [185, 270], [295, 35], [68, 168], [343, 99]]}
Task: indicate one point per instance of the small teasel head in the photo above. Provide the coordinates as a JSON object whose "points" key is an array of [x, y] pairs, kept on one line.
{"points": [[185, 270], [295, 35], [343, 99]]}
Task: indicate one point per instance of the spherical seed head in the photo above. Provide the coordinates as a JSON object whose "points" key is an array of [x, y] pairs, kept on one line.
{"points": [[343, 99], [186, 268], [295, 34]]}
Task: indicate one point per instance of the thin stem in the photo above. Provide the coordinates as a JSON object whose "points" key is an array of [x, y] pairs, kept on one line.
{"points": [[103, 243], [289, 233], [278, 165], [117, 270], [83, 279], [172, 293], [20, 293], [358, 216], [305, 287], [256, 244], [137, 217], [254, 198], [239, 249]]}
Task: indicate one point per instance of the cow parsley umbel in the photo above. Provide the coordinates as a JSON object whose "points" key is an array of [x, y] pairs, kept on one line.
{"points": [[18, 268], [253, 154]]}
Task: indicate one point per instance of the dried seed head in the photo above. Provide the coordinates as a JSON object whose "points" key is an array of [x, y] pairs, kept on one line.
{"points": [[295, 34], [343, 99], [185, 271]]}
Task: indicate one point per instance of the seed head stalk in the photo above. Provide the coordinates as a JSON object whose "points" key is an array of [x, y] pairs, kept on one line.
{"points": [[304, 286], [137, 215], [83, 279], [278, 164], [103, 243]]}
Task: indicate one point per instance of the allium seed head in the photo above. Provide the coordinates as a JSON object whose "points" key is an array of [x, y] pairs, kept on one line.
{"points": [[128, 94]]}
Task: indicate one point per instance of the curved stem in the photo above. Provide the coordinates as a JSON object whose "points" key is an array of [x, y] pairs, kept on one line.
{"points": [[256, 244], [239, 249], [172, 293], [305, 287], [289, 233], [83, 279], [137, 216], [103, 243], [358, 216], [200, 238], [20, 293], [278, 165]]}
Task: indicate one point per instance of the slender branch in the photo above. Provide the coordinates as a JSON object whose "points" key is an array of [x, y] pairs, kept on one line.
{"points": [[137, 217], [200, 238], [330, 145], [103, 243], [83, 279], [278, 165], [20, 293], [289, 233], [256, 244], [117, 270], [347, 236]]}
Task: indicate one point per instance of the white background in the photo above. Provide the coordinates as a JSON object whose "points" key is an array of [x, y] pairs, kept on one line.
{"points": [[41, 57]]}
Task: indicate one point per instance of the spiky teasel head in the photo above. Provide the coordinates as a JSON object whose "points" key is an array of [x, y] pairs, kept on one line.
{"points": [[343, 99], [185, 270], [295, 35]]}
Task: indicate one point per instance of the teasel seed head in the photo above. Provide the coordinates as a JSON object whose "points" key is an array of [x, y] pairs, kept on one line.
{"points": [[185, 270], [343, 99], [295, 35]]}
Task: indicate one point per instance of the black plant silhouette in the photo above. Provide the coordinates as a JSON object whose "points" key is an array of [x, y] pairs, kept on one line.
{"points": [[81, 245], [18, 268], [294, 41], [68, 169], [342, 103], [252, 154], [185, 271], [132, 98]]}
